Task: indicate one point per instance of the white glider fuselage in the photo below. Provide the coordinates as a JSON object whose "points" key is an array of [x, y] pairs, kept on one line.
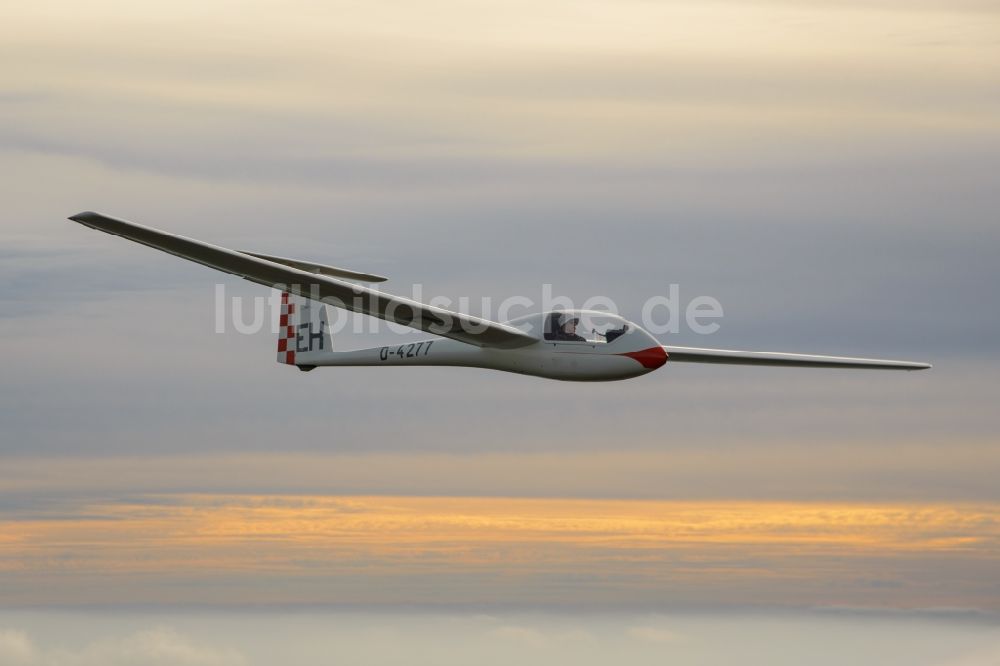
{"points": [[633, 353]]}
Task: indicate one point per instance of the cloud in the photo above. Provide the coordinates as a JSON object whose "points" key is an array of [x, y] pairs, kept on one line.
{"points": [[160, 646], [980, 656], [525, 635], [653, 634], [391, 638], [365, 551], [540, 634], [830, 180], [355, 101], [16, 648], [696, 469]]}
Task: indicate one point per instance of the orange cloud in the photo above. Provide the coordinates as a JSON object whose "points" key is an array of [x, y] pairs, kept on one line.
{"points": [[323, 549]]}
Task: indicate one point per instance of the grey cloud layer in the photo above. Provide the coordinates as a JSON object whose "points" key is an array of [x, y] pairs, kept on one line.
{"points": [[212, 639]]}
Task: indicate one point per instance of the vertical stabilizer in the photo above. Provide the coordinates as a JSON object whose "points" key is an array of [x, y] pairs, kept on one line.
{"points": [[304, 335]]}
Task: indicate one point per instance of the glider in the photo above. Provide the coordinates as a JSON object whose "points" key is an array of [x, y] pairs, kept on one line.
{"points": [[574, 345]]}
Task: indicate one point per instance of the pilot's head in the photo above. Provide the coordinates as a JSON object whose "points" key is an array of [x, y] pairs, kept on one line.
{"points": [[569, 325]]}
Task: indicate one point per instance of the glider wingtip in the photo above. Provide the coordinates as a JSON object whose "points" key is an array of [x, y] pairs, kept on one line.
{"points": [[86, 217]]}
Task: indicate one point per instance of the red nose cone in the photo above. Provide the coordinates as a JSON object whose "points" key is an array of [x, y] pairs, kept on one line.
{"points": [[651, 358]]}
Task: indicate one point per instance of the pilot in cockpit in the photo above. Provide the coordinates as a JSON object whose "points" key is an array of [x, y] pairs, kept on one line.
{"points": [[563, 328]]}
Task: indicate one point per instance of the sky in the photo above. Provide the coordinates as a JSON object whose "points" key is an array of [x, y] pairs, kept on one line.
{"points": [[826, 171]]}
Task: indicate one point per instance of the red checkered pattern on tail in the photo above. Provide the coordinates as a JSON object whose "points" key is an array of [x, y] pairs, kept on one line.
{"points": [[286, 332]]}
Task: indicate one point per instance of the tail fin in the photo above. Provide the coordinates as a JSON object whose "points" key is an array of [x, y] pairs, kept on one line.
{"points": [[304, 335]]}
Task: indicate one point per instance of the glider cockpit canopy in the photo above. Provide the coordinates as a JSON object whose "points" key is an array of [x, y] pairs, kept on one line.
{"points": [[588, 326]]}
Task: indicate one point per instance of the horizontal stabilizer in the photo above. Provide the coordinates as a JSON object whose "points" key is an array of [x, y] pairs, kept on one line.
{"points": [[320, 269]]}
